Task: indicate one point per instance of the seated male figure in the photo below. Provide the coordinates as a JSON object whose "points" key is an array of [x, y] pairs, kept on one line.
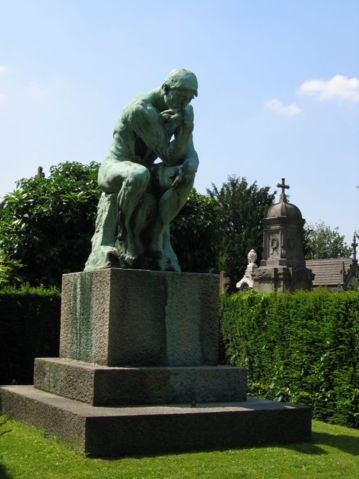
{"points": [[158, 126]]}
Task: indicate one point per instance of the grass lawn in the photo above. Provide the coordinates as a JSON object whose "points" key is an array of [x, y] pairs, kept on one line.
{"points": [[334, 452]]}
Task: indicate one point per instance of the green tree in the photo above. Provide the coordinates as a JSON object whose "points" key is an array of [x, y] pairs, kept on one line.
{"points": [[242, 208], [46, 224], [195, 234], [320, 242], [8, 272]]}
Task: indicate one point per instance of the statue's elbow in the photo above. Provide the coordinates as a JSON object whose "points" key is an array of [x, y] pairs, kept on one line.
{"points": [[192, 162]]}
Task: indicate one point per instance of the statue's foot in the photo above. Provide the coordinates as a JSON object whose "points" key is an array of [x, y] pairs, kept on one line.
{"points": [[161, 261], [102, 257], [168, 264], [150, 260], [169, 261], [129, 260], [128, 254], [113, 259]]}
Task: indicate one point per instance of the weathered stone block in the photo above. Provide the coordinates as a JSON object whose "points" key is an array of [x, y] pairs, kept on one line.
{"points": [[119, 317], [114, 386], [106, 431]]}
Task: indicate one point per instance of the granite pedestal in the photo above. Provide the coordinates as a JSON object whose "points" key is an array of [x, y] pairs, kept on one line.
{"points": [[114, 386], [138, 372], [108, 431], [117, 317]]}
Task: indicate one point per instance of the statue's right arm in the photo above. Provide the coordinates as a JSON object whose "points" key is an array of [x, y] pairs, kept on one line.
{"points": [[147, 123]]}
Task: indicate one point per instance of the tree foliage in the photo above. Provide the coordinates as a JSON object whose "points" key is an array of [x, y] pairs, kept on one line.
{"points": [[242, 208], [9, 271], [320, 242], [46, 224], [195, 234]]}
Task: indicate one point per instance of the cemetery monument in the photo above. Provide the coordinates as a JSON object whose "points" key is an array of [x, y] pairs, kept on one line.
{"points": [[283, 265], [247, 281]]}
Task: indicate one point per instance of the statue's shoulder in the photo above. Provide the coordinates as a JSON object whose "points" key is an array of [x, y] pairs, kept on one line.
{"points": [[141, 108]]}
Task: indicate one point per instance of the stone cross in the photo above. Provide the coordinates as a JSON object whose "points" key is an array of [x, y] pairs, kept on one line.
{"points": [[354, 244], [283, 187]]}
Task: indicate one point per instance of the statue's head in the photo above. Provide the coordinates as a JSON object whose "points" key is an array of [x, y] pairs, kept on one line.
{"points": [[179, 88]]}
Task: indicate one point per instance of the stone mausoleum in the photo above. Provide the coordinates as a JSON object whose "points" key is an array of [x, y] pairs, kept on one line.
{"points": [[283, 265]]}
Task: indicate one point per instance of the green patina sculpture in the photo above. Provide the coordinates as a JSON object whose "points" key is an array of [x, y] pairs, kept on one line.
{"points": [[141, 196]]}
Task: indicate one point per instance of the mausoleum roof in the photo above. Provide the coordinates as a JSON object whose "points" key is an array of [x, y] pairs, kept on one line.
{"points": [[283, 208], [329, 272]]}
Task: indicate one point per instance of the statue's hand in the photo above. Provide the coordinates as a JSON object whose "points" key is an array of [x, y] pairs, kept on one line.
{"points": [[183, 175], [177, 177], [172, 117], [188, 117]]}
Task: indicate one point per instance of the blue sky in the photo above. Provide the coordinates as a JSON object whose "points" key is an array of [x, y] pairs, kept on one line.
{"points": [[278, 88]]}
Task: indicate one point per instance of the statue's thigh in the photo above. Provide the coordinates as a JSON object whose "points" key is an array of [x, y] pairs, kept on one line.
{"points": [[113, 174]]}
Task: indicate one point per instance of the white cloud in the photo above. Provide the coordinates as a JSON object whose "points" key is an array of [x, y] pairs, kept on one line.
{"points": [[339, 87], [277, 106]]}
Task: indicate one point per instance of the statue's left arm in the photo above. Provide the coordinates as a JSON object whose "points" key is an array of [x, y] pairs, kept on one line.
{"points": [[181, 146], [187, 169]]}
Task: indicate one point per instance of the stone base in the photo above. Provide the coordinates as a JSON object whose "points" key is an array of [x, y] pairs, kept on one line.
{"points": [[114, 386], [102, 432], [281, 278], [119, 317]]}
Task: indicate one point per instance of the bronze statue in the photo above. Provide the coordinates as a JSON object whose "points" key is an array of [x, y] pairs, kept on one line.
{"points": [[141, 196]]}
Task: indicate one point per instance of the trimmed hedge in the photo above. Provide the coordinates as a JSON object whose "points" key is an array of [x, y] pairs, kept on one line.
{"points": [[29, 328], [300, 347]]}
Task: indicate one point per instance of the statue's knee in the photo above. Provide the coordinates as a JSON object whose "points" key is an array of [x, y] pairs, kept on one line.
{"points": [[140, 178], [189, 179]]}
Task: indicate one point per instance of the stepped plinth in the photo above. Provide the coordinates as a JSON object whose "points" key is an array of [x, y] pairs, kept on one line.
{"points": [[138, 372]]}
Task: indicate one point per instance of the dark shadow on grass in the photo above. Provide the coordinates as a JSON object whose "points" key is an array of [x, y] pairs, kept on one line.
{"points": [[347, 444], [4, 474], [303, 447]]}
